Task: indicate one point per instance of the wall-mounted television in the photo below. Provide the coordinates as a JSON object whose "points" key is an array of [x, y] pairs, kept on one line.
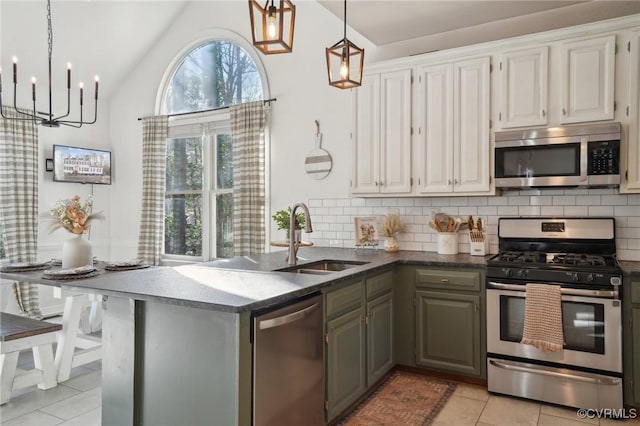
{"points": [[81, 165]]}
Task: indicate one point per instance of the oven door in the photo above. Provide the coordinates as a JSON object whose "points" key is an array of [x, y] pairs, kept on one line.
{"points": [[540, 163], [592, 329]]}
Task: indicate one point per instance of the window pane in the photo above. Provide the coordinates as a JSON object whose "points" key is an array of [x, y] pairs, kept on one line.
{"points": [[224, 225], [214, 75], [183, 224], [224, 161], [184, 164]]}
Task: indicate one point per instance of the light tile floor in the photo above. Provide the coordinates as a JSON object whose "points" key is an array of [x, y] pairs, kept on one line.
{"points": [[77, 402]]}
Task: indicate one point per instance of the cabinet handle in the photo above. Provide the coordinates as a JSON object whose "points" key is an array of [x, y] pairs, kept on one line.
{"points": [[564, 111], [455, 181], [376, 182], [448, 181], [365, 319], [475, 307], [381, 183], [444, 280], [544, 113]]}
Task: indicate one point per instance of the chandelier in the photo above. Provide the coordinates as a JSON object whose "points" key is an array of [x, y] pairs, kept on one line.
{"points": [[271, 26], [47, 118], [345, 61]]}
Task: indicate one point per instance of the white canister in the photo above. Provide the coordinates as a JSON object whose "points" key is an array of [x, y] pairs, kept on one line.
{"points": [[447, 243]]}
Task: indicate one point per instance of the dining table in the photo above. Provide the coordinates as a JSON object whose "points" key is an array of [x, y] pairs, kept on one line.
{"points": [[79, 324]]}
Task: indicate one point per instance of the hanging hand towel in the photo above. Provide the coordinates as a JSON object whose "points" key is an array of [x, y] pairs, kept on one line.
{"points": [[543, 318]]}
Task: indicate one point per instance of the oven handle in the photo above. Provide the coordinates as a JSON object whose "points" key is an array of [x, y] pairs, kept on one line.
{"points": [[609, 294], [595, 379]]}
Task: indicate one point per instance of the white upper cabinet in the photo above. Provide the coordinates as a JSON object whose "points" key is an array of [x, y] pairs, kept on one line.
{"points": [[588, 73], [523, 87], [382, 134], [631, 177], [452, 145]]}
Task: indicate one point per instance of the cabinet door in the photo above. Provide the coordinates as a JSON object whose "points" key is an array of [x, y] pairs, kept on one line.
{"points": [[395, 132], [435, 129], [346, 368], [635, 326], [471, 156], [379, 337], [448, 332], [631, 180], [366, 136], [523, 76], [588, 68]]}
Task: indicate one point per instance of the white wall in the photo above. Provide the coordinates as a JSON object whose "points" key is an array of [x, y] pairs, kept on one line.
{"points": [[298, 80]]}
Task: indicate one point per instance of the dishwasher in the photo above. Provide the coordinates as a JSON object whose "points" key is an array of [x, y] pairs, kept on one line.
{"points": [[288, 364]]}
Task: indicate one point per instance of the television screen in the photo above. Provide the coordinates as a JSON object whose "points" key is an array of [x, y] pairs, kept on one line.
{"points": [[81, 165]]}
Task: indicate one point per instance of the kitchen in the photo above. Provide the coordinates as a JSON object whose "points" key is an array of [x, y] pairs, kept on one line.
{"points": [[332, 208]]}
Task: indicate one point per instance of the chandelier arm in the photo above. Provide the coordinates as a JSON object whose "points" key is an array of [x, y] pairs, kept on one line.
{"points": [[68, 105], [81, 122], [15, 105]]}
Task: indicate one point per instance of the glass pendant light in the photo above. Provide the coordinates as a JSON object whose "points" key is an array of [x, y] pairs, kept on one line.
{"points": [[271, 26], [345, 61]]}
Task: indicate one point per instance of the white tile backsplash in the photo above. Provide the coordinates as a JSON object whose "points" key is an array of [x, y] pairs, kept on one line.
{"points": [[333, 217]]}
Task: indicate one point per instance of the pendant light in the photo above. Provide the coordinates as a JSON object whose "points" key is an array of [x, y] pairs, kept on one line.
{"points": [[271, 26], [345, 61], [47, 118]]}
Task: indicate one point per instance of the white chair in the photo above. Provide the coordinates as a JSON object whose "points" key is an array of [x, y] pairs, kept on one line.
{"points": [[20, 333]]}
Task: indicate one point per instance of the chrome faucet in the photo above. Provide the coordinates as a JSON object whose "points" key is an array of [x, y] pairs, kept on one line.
{"points": [[293, 243]]}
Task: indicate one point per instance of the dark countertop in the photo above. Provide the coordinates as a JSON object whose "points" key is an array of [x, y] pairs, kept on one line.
{"points": [[253, 282], [244, 283]]}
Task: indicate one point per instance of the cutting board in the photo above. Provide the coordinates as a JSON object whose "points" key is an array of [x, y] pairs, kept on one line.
{"points": [[318, 162]]}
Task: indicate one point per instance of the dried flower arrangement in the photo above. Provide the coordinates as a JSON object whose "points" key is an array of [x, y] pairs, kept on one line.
{"points": [[391, 225], [72, 215]]}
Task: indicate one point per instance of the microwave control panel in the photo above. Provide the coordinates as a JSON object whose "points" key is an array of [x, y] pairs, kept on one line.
{"points": [[604, 158]]}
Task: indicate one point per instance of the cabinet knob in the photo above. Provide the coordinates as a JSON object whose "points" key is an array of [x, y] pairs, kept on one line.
{"points": [[544, 113], [381, 183], [448, 181], [376, 182], [564, 111], [455, 181]]}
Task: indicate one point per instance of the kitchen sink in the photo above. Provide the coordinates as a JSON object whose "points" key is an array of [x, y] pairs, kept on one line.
{"points": [[323, 267]]}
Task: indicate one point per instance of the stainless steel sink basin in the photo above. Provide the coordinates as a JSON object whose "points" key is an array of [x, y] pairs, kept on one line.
{"points": [[323, 267]]}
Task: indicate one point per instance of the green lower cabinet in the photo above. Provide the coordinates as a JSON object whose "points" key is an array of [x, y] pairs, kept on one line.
{"points": [[379, 337], [346, 360], [448, 332], [635, 318]]}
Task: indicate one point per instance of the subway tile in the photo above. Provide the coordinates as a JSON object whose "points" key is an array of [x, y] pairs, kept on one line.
{"points": [[613, 200], [411, 246], [315, 203], [357, 202], [519, 201], [350, 210], [343, 202], [488, 211], [320, 211], [600, 210], [389, 202], [626, 210], [406, 202], [373, 202], [365, 211], [633, 222], [552, 192], [380, 211], [552, 210], [498, 201], [628, 232], [633, 200], [336, 227], [413, 211], [459, 201], [588, 200], [576, 210], [622, 222], [564, 200], [421, 202], [344, 219], [336, 210], [529, 192], [603, 191], [529, 210], [329, 203], [540, 200], [508, 211], [466, 211]]}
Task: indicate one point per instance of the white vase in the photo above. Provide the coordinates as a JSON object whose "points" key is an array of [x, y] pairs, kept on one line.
{"points": [[391, 244], [76, 251]]}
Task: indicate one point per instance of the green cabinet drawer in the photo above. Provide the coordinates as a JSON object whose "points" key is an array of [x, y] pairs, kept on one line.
{"points": [[344, 299], [448, 279], [635, 291], [379, 284]]}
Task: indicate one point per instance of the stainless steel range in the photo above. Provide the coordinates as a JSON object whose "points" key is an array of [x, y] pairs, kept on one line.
{"points": [[577, 254]]}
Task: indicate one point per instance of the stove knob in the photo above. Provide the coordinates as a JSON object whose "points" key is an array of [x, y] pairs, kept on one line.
{"points": [[575, 276], [590, 277], [522, 273], [506, 272]]}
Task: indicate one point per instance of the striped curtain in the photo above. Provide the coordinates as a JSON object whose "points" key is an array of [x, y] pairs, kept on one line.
{"points": [[154, 151], [247, 133], [19, 201]]}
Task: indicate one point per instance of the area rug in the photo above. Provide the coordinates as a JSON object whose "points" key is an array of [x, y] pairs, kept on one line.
{"points": [[404, 399]]}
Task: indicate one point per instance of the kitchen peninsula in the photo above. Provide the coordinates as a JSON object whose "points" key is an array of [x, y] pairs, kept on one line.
{"points": [[176, 341]]}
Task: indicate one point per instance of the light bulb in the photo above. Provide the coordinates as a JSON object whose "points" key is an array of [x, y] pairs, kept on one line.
{"points": [[344, 66], [272, 24]]}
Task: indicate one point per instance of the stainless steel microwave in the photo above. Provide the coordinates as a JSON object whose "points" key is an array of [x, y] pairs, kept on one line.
{"points": [[569, 156]]}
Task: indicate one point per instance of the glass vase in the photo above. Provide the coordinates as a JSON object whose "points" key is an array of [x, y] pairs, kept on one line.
{"points": [[391, 245], [76, 251]]}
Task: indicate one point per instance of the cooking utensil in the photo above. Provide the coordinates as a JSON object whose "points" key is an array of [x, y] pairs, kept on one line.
{"points": [[318, 163]]}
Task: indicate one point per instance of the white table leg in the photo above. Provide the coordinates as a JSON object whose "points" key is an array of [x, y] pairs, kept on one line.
{"points": [[95, 312], [67, 336], [8, 364]]}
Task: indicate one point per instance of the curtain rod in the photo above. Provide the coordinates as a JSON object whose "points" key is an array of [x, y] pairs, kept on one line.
{"points": [[266, 101]]}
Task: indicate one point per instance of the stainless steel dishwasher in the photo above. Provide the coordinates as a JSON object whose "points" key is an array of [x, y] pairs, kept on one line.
{"points": [[288, 364]]}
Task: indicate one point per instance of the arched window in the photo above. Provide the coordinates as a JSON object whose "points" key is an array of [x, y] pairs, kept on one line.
{"points": [[216, 74], [199, 177]]}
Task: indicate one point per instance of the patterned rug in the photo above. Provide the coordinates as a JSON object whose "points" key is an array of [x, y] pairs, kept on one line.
{"points": [[404, 399]]}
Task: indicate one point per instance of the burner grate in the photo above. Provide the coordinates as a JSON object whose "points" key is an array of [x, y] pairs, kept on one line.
{"points": [[578, 259]]}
